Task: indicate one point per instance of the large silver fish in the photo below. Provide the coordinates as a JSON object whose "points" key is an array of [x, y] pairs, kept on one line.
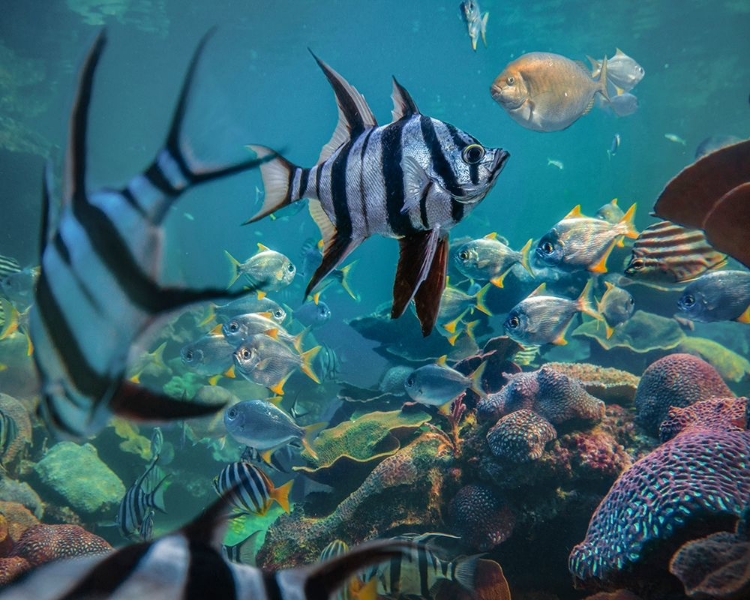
{"points": [[98, 291], [412, 179], [717, 296]]}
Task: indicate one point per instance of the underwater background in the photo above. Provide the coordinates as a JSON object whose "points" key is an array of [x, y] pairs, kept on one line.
{"points": [[257, 83]]}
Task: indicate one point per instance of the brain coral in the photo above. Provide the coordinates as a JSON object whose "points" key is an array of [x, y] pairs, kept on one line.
{"points": [[699, 480], [675, 380], [716, 413], [481, 517], [520, 436], [42, 543]]}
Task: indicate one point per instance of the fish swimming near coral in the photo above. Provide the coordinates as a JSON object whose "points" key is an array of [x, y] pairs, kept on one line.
{"points": [[249, 489], [188, 563], [438, 384], [717, 296], [210, 355], [616, 306], [417, 177], [97, 292], [671, 253], [145, 493], [547, 92]]}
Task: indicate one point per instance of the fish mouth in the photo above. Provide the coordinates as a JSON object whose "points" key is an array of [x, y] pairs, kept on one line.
{"points": [[497, 165]]}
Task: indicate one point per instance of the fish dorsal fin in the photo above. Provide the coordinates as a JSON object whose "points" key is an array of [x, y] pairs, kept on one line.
{"points": [[594, 65], [262, 248], [442, 361], [491, 236], [354, 114], [619, 52], [403, 104], [540, 291], [614, 202], [575, 213]]}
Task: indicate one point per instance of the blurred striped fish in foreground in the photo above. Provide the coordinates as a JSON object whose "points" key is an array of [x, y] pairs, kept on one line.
{"points": [[98, 291]]}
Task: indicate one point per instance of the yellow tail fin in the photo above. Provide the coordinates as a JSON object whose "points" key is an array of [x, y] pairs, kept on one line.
{"points": [[281, 495], [479, 298], [235, 275], [311, 432], [306, 366]]}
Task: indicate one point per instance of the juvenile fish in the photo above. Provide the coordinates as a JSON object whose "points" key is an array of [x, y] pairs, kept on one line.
{"points": [[476, 22], [675, 138], [580, 243], [250, 490], [265, 427], [717, 296], [243, 327], [610, 212], [489, 259], [313, 315], [616, 306], [144, 494], [555, 163], [665, 252], [438, 384], [19, 287], [249, 303], [540, 319], [417, 177], [622, 71], [210, 355], [547, 92], [267, 269]]}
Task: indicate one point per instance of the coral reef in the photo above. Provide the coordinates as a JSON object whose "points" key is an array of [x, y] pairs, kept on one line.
{"points": [[727, 414], [42, 543], [481, 517], [21, 492], [489, 584], [693, 485], [520, 436], [730, 365], [675, 380], [716, 566], [643, 332], [498, 353], [78, 475], [551, 394], [16, 411], [607, 384], [18, 518]]}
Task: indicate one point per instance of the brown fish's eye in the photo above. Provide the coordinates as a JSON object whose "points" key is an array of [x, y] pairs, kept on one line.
{"points": [[636, 264], [511, 80], [473, 153], [547, 247], [514, 322]]}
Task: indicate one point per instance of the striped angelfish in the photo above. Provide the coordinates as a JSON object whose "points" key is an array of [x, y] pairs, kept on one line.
{"points": [[134, 515], [188, 564], [97, 291], [253, 491], [412, 179], [416, 572], [8, 432], [8, 266], [242, 552], [668, 253]]}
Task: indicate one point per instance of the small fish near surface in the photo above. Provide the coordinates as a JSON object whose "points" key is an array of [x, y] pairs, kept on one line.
{"points": [[267, 269], [578, 243], [541, 319], [490, 259], [717, 296], [672, 137], [668, 253], [622, 71], [476, 22], [188, 563], [438, 384], [97, 291], [419, 177], [250, 490], [616, 306], [713, 194], [265, 427], [547, 92]]}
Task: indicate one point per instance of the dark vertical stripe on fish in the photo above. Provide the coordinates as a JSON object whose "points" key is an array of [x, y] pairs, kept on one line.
{"points": [[423, 216], [208, 575], [439, 161], [396, 574], [132, 201], [303, 179], [423, 566], [272, 588], [160, 181], [338, 191], [393, 177]]}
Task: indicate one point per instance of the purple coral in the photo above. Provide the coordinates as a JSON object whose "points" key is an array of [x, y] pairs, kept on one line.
{"points": [[675, 380], [553, 395], [520, 436], [698, 479], [716, 413], [481, 517]]}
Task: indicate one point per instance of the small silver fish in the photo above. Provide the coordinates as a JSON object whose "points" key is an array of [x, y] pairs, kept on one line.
{"points": [[717, 296], [270, 270], [623, 105], [610, 212], [614, 146], [616, 306], [242, 327], [675, 138], [438, 384], [249, 303], [312, 314], [555, 163], [19, 287], [210, 355], [476, 22], [489, 259], [622, 71]]}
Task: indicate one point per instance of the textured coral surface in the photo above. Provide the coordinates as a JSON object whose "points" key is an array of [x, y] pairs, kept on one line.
{"points": [[520, 436], [481, 517], [42, 543], [716, 413]]}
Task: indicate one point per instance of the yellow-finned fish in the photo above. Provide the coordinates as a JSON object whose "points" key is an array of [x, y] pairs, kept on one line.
{"points": [[490, 259], [616, 306], [267, 269], [547, 92], [476, 22]]}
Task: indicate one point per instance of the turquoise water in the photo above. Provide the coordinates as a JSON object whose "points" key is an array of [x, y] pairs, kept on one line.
{"points": [[257, 83]]}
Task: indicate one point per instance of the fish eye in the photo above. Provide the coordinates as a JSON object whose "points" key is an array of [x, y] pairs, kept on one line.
{"points": [[189, 355], [688, 300], [245, 353], [636, 264], [473, 153], [290, 268], [631, 301], [234, 326], [463, 255], [410, 380], [278, 314], [511, 80], [547, 247], [232, 414], [514, 322]]}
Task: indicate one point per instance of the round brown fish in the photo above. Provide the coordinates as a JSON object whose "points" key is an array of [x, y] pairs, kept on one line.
{"points": [[547, 92]]}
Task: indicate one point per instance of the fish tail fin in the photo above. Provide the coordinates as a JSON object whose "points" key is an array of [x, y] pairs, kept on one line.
{"points": [[279, 177], [483, 28], [311, 432], [525, 255], [158, 355], [609, 329], [345, 280], [235, 275], [281, 495], [584, 302], [627, 223], [451, 326], [278, 387], [306, 366], [498, 281], [466, 569], [210, 316], [479, 298], [602, 88], [297, 343], [476, 380], [469, 330], [11, 318]]}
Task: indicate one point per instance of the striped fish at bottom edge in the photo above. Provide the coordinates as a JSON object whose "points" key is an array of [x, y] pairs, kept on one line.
{"points": [[188, 563], [669, 252], [412, 179], [98, 290]]}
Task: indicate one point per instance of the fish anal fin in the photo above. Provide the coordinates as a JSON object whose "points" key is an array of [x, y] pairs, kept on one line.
{"points": [[135, 402], [745, 316], [427, 298], [336, 250], [403, 104], [416, 253]]}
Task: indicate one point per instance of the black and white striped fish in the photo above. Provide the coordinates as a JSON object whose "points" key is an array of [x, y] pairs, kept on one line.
{"points": [[8, 266], [8, 432], [253, 491], [669, 253], [242, 552], [145, 493], [188, 564], [412, 179], [97, 292]]}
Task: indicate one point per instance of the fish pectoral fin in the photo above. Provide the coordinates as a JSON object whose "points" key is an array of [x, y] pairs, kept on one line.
{"points": [[417, 183], [336, 250], [427, 298], [415, 258], [132, 401]]}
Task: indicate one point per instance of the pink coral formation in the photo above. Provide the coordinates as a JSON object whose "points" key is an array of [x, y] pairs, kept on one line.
{"points": [[481, 517], [675, 380], [520, 436], [42, 543], [693, 485], [726, 414], [606, 383], [549, 393], [11, 567]]}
